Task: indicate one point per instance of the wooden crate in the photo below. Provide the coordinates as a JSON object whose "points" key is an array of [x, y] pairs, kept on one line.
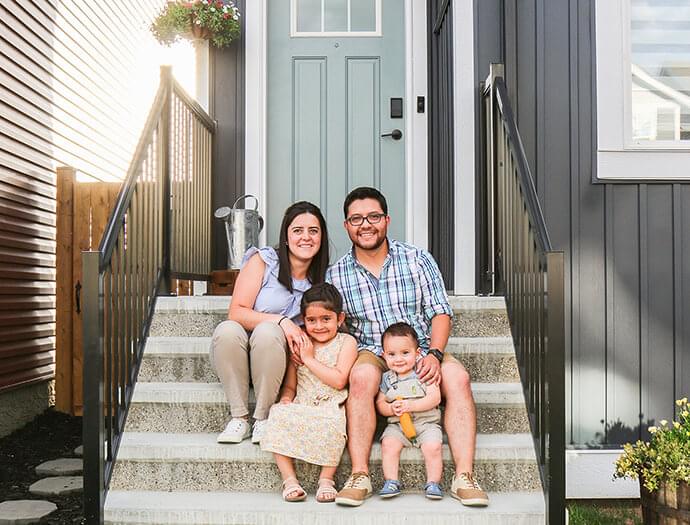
{"points": [[223, 282]]}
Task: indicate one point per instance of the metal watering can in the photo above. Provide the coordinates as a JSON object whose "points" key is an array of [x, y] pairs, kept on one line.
{"points": [[242, 228]]}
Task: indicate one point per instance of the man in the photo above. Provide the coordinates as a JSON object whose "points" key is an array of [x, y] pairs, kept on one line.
{"points": [[384, 281]]}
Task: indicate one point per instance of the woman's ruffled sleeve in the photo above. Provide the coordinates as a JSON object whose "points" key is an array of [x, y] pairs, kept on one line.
{"points": [[268, 256]]}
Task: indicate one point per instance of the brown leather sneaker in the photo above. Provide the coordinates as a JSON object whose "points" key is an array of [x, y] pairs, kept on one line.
{"points": [[467, 490], [356, 489]]}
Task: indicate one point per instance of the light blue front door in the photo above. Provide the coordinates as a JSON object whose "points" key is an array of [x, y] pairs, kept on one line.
{"points": [[336, 84]]}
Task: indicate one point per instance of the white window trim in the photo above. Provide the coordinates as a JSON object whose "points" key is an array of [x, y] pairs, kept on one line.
{"points": [[618, 157], [416, 161], [328, 34]]}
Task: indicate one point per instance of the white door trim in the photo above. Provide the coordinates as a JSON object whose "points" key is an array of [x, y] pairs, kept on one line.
{"points": [[464, 101], [416, 165]]}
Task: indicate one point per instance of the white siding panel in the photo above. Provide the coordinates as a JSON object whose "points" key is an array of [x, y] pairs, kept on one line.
{"points": [[77, 79]]}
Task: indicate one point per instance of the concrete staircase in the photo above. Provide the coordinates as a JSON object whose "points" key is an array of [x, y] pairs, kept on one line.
{"points": [[171, 470]]}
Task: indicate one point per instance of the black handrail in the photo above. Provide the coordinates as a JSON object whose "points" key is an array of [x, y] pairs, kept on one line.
{"points": [[133, 265], [524, 265]]}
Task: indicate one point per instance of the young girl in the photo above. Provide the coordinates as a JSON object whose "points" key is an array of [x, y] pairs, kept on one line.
{"points": [[308, 423]]}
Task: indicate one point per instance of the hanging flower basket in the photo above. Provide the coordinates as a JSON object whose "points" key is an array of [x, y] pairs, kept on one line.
{"points": [[215, 20]]}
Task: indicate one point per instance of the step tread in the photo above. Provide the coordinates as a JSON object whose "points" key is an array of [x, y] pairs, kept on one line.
{"points": [[520, 508], [220, 303], [212, 393], [202, 447], [198, 346]]}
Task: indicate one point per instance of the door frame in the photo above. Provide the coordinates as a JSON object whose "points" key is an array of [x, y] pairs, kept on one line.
{"points": [[464, 98], [416, 151]]}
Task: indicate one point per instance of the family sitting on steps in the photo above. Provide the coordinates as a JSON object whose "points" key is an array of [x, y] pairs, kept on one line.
{"points": [[284, 333]]}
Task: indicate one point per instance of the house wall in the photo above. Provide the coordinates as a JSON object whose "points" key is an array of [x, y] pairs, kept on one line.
{"points": [[76, 82], [227, 108], [627, 246]]}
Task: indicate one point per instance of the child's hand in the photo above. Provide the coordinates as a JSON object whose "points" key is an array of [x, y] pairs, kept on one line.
{"points": [[400, 406], [306, 349], [285, 400]]}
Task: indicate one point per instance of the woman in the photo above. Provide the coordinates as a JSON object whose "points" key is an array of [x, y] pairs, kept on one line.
{"points": [[264, 318]]}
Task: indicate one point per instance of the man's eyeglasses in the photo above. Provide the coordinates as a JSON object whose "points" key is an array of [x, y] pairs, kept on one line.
{"points": [[372, 218]]}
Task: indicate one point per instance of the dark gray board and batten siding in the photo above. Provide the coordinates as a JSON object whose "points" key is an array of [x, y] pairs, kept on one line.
{"points": [[64, 67], [627, 245]]}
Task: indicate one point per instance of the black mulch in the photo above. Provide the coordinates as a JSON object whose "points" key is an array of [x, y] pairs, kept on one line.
{"points": [[52, 435]]}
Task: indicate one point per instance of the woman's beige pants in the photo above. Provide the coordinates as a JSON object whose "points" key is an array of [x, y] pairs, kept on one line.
{"points": [[235, 354]]}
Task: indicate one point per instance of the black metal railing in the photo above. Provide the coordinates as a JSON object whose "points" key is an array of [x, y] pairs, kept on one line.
{"points": [[160, 227], [522, 264]]}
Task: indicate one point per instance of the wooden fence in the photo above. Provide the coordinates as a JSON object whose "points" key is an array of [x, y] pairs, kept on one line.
{"points": [[83, 209]]}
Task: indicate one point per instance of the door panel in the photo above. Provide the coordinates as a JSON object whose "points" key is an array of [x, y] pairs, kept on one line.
{"points": [[328, 104]]}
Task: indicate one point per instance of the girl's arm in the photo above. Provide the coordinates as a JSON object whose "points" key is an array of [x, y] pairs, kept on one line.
{"points": [[244, 295], [431, 400], [337, 376], [289, 389], [383, 406]]}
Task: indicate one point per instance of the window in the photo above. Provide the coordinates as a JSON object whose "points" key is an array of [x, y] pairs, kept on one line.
{"points": [[336, 18], [643, 89]]}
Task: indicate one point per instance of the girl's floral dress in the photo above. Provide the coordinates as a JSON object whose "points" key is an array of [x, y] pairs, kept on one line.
{"points": [[312, 427]]}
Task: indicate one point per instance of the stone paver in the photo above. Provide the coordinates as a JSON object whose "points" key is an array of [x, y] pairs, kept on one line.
{"points": [[24, 511], [57, 486], [60, 467], [79, 451]]}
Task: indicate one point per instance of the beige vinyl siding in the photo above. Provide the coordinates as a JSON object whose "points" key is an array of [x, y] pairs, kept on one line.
{"points": [[76, 81]]}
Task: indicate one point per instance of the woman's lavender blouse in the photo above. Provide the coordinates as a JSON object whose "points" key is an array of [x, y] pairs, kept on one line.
{"points": [[273, 297]]}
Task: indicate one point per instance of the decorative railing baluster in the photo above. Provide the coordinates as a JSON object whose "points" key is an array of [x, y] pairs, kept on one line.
{"points": [[143, 246], [529, 272]]}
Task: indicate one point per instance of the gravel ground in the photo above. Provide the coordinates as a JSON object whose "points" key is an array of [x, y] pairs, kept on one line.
{"points": [[52, 435]]}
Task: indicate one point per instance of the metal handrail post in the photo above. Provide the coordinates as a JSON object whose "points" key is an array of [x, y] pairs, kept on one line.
{"points": [[93, 427], [167, 81], [555, 370]]}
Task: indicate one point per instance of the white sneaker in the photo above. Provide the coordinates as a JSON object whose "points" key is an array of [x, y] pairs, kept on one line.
{"points": [[235, 431], [258, 433]]}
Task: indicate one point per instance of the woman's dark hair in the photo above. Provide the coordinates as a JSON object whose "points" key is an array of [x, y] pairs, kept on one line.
{"points": [[317, 268], [400, 330], [324, 294], [365, 192]]}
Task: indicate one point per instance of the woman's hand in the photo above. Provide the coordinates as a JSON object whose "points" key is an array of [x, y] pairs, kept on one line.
{"points": [[285, 401], [400, 406], [295, 338]]}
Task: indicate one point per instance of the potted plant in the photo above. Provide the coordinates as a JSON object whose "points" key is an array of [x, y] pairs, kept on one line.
{"points": [[662, 466], [214, 20]]}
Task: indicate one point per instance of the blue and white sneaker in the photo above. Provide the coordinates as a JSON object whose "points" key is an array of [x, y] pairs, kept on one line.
{"points": [[433, 490], [390, 489]]}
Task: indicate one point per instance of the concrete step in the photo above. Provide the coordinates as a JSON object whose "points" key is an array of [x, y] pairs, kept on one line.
{"points": [[197, 316], [223, 508], [167, 461], [185, 359], [201, 407]]}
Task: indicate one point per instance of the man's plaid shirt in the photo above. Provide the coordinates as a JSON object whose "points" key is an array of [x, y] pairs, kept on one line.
{"points": [[409, 289]]}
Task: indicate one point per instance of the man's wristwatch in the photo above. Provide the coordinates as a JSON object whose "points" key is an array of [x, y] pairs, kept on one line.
{"points": [[436, 353]]}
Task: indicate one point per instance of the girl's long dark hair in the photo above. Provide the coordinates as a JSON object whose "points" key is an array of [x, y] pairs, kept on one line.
{"points": [[317, 268]]}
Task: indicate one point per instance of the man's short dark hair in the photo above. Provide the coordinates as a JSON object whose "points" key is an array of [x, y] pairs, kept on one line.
{"points": [[400, 330], [365, 192]]}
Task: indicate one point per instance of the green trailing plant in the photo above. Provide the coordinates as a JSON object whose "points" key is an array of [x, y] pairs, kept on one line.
{"points": [[215, 20], [665, 458]]}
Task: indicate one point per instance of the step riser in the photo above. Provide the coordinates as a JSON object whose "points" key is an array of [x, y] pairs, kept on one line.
{"points": [[483, 368], [503, 476], [211, 417], [481, 323]]}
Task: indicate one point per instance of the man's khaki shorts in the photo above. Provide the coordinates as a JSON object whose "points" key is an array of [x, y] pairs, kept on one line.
{"points": [[370, 358]]}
